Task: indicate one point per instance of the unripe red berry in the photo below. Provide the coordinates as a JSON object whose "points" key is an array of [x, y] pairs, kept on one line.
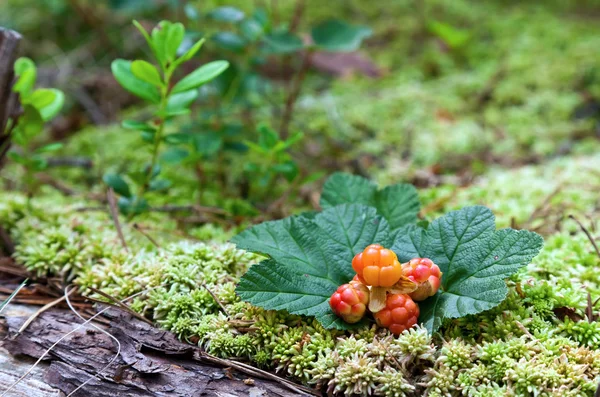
{"points": [[350, 301], [426, 274], [400, 313]]}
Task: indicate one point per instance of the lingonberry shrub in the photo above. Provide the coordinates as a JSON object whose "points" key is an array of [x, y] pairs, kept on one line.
{"points": [[39, 106], [154, 84]]}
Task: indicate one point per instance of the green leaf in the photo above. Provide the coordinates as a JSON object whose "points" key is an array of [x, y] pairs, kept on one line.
{"points": [[310, 258], [147, 72], [208, 143], [474, 258], [132, 205], [146, 37], [137, 126], [178, 138], [48, 101], [229, 41], [202, 75], [26, 73], [52, 147], [226, 14], [398, 204], [160, 185], [283, 42], [166, 39], [30, 125], [289, 170], [16, 157], [117, 183], [267, 137], [335, 35], [181, 100], [251, 29], [121, 69], [453, 37], [191, 52], [174, 155]]}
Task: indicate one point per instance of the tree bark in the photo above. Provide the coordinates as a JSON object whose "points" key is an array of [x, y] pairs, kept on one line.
{"points": [[151, 361], [9, 43]]}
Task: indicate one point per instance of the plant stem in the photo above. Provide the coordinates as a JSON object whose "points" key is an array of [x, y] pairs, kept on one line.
{"points": [[294, 94], [158, 135]]}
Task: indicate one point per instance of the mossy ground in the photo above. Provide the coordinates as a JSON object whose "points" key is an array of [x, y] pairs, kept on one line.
{"points": [[523, 151]]}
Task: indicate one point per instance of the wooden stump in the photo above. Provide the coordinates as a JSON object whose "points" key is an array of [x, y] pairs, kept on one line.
{"points": [[9, 44]]}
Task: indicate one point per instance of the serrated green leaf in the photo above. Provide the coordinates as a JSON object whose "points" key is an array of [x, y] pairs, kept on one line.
{"points": [[310, 258], [121, 70], [147, 72], [399, 204], [200, 76], [335, 35], [474, 257], [117, 183]]}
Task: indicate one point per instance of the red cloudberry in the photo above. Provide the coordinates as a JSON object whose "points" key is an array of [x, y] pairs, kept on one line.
{"points": [[350, 301], [426, 274], [400, 313]]}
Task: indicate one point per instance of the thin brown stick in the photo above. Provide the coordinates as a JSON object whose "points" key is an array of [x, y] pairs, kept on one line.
{"points": [[143, 232], [259, 373], [587, 233], [294, 94], [121, 305], [41, 310], [112, 203], [540, 208], [216, 299]]}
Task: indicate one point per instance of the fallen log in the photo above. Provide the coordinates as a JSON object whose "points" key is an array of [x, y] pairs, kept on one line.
{"points": [[150, 361]]}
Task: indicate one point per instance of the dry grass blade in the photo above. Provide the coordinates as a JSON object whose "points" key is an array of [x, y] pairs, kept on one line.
{"points": [[114, 213], [216, 299], [66, 296], [149, 237], [253, 371], [121, 305], [588, 234], [11, 296]]}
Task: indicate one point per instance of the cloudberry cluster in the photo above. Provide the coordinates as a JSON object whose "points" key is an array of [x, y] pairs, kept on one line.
{"points": [[386, 288]]}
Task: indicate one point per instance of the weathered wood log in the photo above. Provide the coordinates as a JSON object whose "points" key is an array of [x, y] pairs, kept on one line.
{"points": [[151, 362], [9, 44]]}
